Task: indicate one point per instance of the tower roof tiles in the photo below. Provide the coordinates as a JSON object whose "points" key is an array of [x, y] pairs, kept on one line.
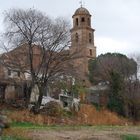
{"points": [[81, 11]]}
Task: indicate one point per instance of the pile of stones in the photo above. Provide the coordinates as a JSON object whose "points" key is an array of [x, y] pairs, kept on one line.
{"points": [[3, 123]]}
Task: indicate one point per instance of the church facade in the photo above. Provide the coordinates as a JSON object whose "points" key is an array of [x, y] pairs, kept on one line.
{"points": [[82, 40]]}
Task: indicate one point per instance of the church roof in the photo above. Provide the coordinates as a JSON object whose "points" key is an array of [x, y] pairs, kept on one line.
{"points": [[81, 11]]}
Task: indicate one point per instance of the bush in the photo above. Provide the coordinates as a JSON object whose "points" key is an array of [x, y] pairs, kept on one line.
{"points": [[52, 108]]}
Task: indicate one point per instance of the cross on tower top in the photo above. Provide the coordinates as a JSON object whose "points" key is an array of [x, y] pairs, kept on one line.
{"points": [[82, 3]]}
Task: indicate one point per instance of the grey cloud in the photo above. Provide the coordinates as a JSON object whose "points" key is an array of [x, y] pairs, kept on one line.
{"points": [[115, 19]]}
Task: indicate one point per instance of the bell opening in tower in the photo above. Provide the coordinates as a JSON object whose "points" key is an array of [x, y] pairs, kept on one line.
{"points": [[90, 38], [88, 22], [82, 19], [77, 22]]}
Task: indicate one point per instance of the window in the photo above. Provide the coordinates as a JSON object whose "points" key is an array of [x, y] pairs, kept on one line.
{"points": [[82, 19], [88, 22], [76, 21], [76, 37], [90, 38], [90, 52]]}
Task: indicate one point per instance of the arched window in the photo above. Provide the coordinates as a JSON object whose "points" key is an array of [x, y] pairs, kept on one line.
{"points": [[76, 37], [88, 22], [77, 22], [82, 19], [90, 38]]}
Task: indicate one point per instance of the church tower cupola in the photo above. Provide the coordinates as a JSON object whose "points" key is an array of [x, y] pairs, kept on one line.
{"points": [[82, 34], [81, 17]]}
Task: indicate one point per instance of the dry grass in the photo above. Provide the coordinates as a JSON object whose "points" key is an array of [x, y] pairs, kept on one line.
{"points": [[26, 116], [88, 115]]}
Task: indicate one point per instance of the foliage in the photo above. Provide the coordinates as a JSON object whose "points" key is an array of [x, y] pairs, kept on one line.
{"points": [[115, 97], [114, 69], [101, 67], [78, 89], [75, 89]]}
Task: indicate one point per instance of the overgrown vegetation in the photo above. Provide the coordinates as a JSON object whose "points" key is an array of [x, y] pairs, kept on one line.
{"points": [[83, 117], [119, 73]]}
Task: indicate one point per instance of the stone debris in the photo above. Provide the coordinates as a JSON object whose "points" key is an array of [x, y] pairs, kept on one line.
{"points": [[4, 123]]}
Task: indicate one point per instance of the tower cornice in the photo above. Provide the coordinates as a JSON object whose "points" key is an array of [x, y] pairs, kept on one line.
{"points": [[81, 28]]}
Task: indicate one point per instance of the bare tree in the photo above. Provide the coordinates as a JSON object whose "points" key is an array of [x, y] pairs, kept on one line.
{"points": [[41, 46]]}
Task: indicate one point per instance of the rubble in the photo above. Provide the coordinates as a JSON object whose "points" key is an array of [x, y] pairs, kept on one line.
{"points": [[4, 123]]}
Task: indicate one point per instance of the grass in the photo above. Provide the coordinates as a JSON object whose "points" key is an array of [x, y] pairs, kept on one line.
{"points": [[100, 117], [21, 130], [32, 125], [24, 124], [130, 137], [13, 138], [28, 125]]}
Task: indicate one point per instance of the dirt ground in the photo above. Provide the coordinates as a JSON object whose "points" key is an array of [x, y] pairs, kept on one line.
{"points": [[90, 133]]}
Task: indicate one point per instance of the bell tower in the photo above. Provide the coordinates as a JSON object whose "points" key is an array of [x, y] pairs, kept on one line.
{"points": [[82, 39]]}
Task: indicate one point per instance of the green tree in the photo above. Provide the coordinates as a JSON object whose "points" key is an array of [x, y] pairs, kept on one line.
{"points": [[116, 90], [114, 69]]}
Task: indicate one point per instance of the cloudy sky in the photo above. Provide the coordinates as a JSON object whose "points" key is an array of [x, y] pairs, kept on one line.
{"points": [[117, 22]]}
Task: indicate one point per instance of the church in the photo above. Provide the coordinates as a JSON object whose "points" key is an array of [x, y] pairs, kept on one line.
{"points": [[82, 40]]}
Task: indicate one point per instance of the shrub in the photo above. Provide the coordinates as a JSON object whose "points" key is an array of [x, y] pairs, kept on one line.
{"points": [[52, 108]]}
